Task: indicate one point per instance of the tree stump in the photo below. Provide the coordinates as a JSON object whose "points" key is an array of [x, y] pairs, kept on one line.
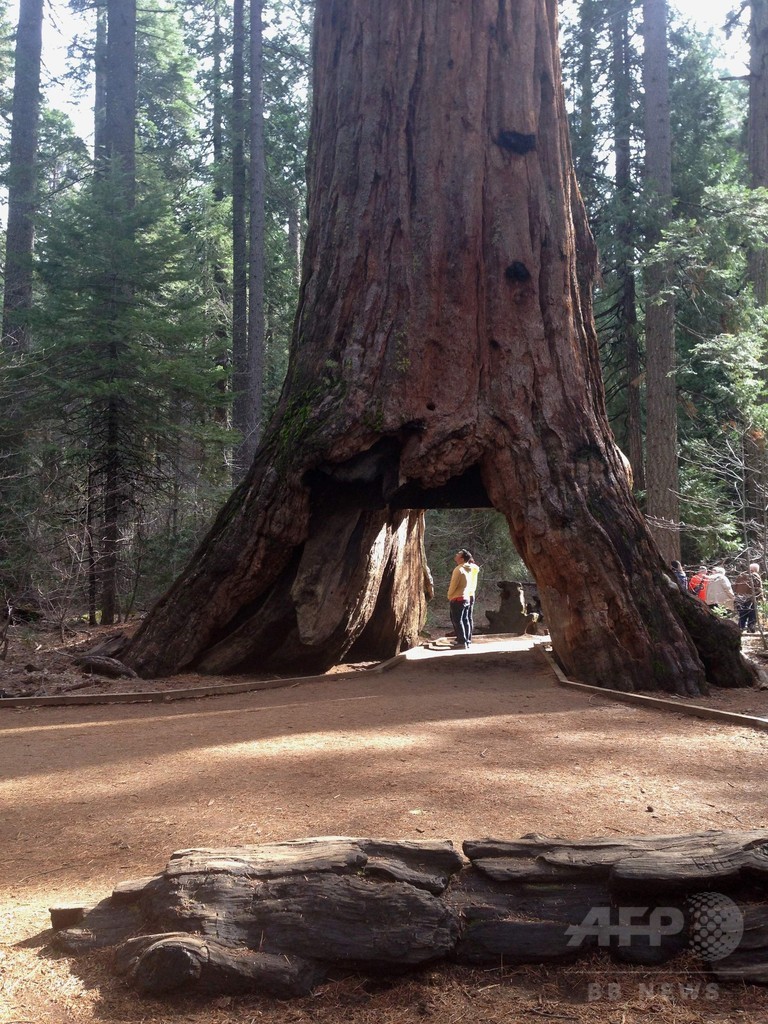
{"points": [[277, 918], [512, 616]]}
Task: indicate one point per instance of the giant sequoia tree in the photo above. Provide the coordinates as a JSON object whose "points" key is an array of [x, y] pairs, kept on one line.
{"points": [[443, 354]]}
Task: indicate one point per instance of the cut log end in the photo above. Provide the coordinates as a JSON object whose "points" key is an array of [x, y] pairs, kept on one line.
{"points": [[169, 965]]}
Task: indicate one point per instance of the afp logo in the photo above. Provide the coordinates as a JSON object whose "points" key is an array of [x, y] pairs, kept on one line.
{"points": [[715, 925]]}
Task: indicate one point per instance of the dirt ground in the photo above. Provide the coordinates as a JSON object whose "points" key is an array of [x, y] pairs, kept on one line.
{"points": [[454, 745]]}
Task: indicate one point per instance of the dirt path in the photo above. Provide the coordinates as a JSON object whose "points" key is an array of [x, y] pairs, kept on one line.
{"points": [[458, 745]]}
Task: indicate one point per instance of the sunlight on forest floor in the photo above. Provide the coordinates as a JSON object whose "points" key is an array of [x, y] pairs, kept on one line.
{"points": [[446, 744]]}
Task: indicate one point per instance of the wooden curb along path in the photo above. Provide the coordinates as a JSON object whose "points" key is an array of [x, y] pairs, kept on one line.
{"points": [[252, 686], [185, 693], [655, 703]]}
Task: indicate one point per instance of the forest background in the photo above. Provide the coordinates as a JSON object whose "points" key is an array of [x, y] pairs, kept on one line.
{"points": [[152, 263]]}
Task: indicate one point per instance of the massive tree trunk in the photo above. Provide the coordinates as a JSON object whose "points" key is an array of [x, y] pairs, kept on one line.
{"points": [[444, 354]]}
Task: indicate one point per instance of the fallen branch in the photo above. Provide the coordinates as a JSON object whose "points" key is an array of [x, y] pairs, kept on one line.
{"points": [[104, 666]]}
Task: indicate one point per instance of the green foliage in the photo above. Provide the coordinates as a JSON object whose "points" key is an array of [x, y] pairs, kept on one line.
{"points": [[44, 551], [722, 346], [132, 310], [707, 506], [63, 158], [715, 223], [707, 115], [166, 96], [85, 256], [708, 248], [119, 375]]}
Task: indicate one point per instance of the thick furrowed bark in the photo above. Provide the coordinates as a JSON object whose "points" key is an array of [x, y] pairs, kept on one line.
{"points": [[443, 349], [643, 639], [340, 580], [279, 587]]}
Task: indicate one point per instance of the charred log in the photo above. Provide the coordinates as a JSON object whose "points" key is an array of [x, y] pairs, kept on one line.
{"points": [[277, 918]]}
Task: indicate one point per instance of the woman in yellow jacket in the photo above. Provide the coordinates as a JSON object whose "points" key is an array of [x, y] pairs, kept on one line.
{"points": [[461, 597]]}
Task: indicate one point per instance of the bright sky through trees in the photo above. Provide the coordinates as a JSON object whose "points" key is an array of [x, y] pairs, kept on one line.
{"points": [[61, 25], [713, 14]]}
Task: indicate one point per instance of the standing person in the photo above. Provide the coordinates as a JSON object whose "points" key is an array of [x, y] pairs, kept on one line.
{"points": [[719, 590], [748, 589], [679, 574], [697, 584], [458, 599], [472, 570]]}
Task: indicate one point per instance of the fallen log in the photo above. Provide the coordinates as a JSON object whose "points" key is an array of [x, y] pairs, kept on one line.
{"points": [[278, 917]]}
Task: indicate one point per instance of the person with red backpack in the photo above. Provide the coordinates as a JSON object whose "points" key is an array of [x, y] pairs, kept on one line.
{"points": [[697, 584]]}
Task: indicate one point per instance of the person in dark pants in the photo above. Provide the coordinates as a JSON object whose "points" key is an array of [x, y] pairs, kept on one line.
{"points": [[458, 600], [472, 569], [748, 589], [679, 574]]}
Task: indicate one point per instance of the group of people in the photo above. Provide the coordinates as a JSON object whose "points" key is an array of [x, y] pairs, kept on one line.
{"points": [[461, 597], [711, 586], [715, 589]]}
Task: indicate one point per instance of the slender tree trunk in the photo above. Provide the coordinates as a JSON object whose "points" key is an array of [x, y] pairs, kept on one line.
{"points": [[120, 96], [221, 412], [662, 479], [22, 177], [256, 249], [584, 157], [625, 232], [757, 163], [93, 579], [21, 181], [757, 126], [100, 86], [120, 157], [294, 239], [217, 105], [113, 482], [239, 245], [444, 354]]}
